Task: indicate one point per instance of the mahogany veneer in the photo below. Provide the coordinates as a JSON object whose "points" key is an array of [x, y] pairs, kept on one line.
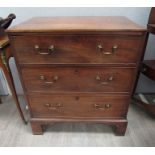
{"points": [[69, 49], [77, 79], [78, 69], [79, 105]]}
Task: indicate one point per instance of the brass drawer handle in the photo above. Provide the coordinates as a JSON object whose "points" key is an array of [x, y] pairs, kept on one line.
{"points": [[107, 106], [53, 107], [38, 49], [111, 78], [98, 78], [101, 49], [102, 107], [54, 79]]}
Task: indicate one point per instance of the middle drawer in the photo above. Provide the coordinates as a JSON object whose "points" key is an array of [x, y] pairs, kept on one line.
{"points": [[77, 79]]}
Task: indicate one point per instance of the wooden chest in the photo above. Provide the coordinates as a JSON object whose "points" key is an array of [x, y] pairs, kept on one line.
{"points": [[78, 69]]}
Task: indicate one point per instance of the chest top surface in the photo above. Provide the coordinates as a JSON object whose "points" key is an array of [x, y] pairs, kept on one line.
{"points": [[77, 24]]}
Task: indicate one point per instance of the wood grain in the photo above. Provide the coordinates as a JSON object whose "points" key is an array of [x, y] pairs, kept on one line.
{"points": [[78, 79], [76, 49], [63, 24], [78, 106], [83, 55]]}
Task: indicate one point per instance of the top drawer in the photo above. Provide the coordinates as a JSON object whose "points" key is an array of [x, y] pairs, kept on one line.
{"points": [[76, 49]]}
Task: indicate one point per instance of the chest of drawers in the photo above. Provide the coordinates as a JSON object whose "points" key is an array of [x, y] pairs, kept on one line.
{"points": [[78, 69]]}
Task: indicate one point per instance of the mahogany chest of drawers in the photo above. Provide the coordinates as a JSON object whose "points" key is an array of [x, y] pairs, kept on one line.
{"points": [[78, 69]]}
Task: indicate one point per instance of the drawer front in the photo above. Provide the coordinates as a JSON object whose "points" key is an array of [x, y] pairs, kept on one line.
{"points": [[78, 105], [78, 79], [76, 49]]}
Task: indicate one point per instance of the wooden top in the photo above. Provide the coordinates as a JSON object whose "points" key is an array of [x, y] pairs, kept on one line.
{"points": [[77, 24]]}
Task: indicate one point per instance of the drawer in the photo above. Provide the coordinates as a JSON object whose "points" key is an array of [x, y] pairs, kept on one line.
{"points": [[74, 49], [75, 106], [78, 79]]}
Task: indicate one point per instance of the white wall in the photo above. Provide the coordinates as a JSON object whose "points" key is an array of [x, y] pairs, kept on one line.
{"points": [[139, 15]]}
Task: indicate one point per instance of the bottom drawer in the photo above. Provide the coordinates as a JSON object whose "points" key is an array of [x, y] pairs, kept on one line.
{"points": [[75, 106]]}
